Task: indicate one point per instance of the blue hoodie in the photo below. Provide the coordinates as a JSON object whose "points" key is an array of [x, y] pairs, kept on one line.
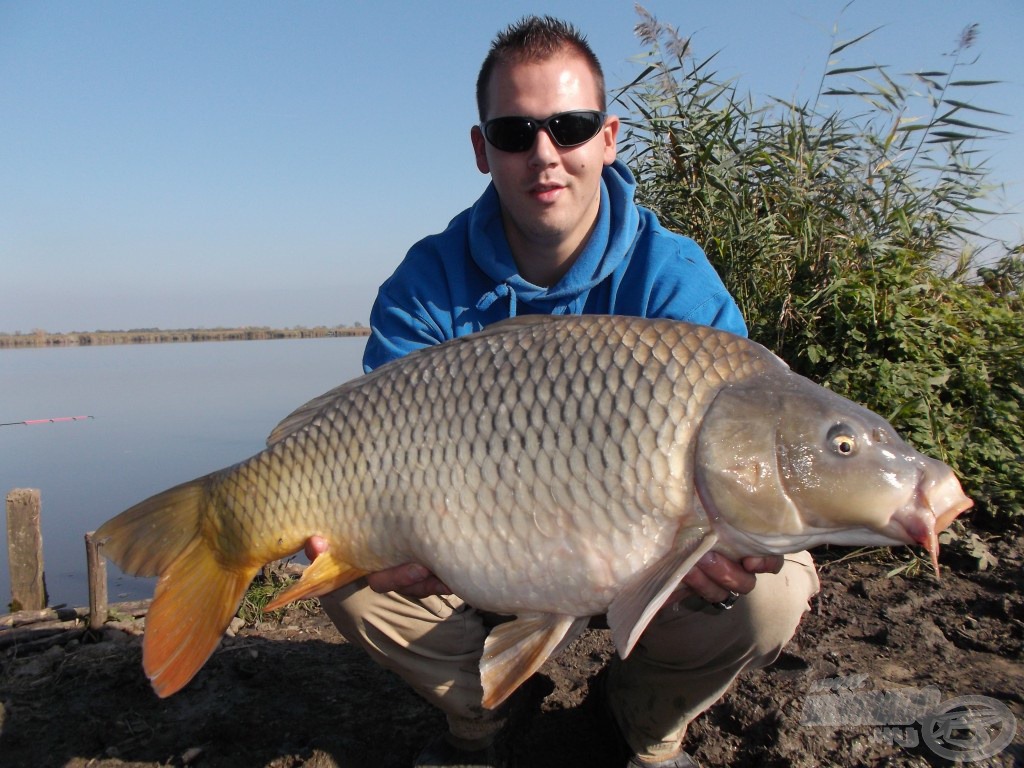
{"points": [[456, 282]]}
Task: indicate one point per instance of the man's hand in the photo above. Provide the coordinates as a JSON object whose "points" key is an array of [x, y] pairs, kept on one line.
{"points": [[715, 576], [409, 580]]}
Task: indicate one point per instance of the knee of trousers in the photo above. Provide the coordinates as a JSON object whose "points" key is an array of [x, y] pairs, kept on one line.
{"points": [[354, 609], [434, 644], [433, 626], [696, 635]]}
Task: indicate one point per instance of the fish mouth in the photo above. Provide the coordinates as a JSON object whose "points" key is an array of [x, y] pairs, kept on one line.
{"points": [[937, 502]]}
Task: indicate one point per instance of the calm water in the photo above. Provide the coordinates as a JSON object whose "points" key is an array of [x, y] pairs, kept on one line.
{"points": [[163, 414]]}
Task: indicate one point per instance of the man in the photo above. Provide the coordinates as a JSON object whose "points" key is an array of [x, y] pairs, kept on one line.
{"points": [[557, 231]]}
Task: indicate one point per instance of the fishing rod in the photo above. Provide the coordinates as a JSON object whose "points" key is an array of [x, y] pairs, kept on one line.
{"points": [[29, 422]]}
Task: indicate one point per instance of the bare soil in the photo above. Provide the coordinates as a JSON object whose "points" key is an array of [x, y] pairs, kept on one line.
{"points": [[294, 693]]}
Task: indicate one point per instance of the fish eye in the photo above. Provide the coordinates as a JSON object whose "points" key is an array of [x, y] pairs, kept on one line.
{"points": [[842, 441]]}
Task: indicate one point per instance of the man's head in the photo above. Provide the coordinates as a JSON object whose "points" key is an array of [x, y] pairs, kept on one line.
{"points": [[535, 39], [547, 172]]}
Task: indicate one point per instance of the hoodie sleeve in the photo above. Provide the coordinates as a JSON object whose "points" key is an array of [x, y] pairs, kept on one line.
{"points": [[424, 301], [397, 328]]}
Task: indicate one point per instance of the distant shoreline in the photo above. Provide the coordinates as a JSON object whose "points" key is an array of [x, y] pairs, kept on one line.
{"points": [[158, 336]]}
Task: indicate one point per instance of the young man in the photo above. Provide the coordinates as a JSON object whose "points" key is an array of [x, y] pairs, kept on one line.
{"points": [[557, 231]]}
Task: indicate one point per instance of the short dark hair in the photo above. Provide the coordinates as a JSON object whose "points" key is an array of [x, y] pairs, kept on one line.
{"points": [[536, 38]]}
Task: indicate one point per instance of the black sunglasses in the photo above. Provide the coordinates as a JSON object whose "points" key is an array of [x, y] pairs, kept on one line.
{"points": [[566, 129]]}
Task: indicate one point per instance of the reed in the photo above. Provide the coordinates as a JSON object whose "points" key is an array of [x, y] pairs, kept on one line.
{"points": [[40, 338], [851, 231]]}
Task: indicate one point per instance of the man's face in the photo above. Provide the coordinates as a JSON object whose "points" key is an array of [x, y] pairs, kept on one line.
{"points": [[549, 195]]}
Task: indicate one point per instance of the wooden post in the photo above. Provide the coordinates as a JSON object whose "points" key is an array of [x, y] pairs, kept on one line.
{"points": [[97, 567], [25, 550]]}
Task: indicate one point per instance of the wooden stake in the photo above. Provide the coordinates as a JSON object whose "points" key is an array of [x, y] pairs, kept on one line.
{"points": [[97, 567], [25, 549]]}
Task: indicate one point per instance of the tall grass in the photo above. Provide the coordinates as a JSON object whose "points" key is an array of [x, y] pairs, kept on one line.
{"points": [[850, 235]]}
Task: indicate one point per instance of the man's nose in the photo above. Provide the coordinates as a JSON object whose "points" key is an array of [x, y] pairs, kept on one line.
{"points": [[544, 151]]}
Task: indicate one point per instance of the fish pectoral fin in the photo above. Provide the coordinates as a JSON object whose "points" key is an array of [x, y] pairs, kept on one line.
{"points": [[194, 601], [516, 649], [325, 574], [647, 592]]}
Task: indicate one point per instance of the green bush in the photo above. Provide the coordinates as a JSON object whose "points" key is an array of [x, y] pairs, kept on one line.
{"points": [[849, 240], [943, 360]]}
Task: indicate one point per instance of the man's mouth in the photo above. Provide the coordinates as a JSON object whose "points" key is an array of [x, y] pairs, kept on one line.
{"points": [[546, 193]]}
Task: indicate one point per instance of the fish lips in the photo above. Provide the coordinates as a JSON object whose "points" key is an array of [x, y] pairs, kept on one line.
{"points": [[937, 502]]}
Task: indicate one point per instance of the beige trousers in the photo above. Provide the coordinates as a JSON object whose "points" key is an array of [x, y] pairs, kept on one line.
{"points": [[685, 660]]}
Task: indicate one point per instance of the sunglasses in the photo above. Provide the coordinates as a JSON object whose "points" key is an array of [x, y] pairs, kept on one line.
{"points": [[566, 129]]}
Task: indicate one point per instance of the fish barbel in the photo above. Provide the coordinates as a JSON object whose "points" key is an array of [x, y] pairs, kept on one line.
{"points": [[551, 468]]}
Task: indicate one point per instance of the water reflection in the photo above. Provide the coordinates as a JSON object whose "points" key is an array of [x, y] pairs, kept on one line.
{"points": [[163, 414]]}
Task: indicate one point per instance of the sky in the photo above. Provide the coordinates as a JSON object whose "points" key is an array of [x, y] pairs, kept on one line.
{"points": [[221, 164]]}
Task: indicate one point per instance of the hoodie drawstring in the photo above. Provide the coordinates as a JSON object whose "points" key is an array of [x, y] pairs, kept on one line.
{"points": [[499, 292]]}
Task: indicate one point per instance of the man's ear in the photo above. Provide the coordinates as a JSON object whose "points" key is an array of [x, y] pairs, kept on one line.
{"points": [[479, 149], [610, 136]]}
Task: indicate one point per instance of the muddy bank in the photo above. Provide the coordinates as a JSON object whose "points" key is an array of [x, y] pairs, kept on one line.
{"points": [[293, 693]]}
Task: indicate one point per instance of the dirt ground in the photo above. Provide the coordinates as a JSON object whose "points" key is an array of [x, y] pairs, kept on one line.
{"points": [[293, 693]]}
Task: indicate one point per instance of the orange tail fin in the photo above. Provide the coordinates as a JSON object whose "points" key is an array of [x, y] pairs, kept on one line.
{"points": [[194, 602], [197, 593]]}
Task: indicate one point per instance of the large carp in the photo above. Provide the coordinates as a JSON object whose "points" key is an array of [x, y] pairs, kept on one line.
{"points": [[550, 468]]}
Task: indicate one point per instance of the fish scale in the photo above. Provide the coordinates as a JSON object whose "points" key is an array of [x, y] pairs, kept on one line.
{"points": [[554, 468]]}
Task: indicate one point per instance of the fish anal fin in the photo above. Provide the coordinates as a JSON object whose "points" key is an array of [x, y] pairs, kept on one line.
{"points": [[516, 649], [194, 601], [647, 592], [325, 574]]}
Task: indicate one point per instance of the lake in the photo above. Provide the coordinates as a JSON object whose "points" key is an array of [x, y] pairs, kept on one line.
{"points": [[162, 414]]}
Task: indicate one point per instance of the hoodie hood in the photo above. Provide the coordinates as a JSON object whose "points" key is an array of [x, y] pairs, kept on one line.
{"points": [[463, 279], [609, 244]]}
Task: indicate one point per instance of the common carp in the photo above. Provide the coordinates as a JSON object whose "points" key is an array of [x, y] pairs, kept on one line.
{"points": [[551, 468]]}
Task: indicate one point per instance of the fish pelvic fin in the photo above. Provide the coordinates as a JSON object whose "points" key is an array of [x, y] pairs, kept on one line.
{"points": [[325, 574], [516, 649], [649, 590], [194, 601]]}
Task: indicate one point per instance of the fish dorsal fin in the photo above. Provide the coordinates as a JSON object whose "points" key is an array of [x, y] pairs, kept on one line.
{"points": [[516, 649], [519, 321], [647, 592], [325, 574], [304, 414]]}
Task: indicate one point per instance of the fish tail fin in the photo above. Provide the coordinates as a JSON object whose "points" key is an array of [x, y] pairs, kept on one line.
{"points": [[197, 594], [194, 602], [148, 538]]}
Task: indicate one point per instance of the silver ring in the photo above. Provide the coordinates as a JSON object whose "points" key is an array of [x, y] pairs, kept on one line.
{"points": [[729, 602]]}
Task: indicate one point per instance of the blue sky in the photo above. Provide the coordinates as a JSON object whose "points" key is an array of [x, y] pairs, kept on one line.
{"points": [[204, 164]]}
